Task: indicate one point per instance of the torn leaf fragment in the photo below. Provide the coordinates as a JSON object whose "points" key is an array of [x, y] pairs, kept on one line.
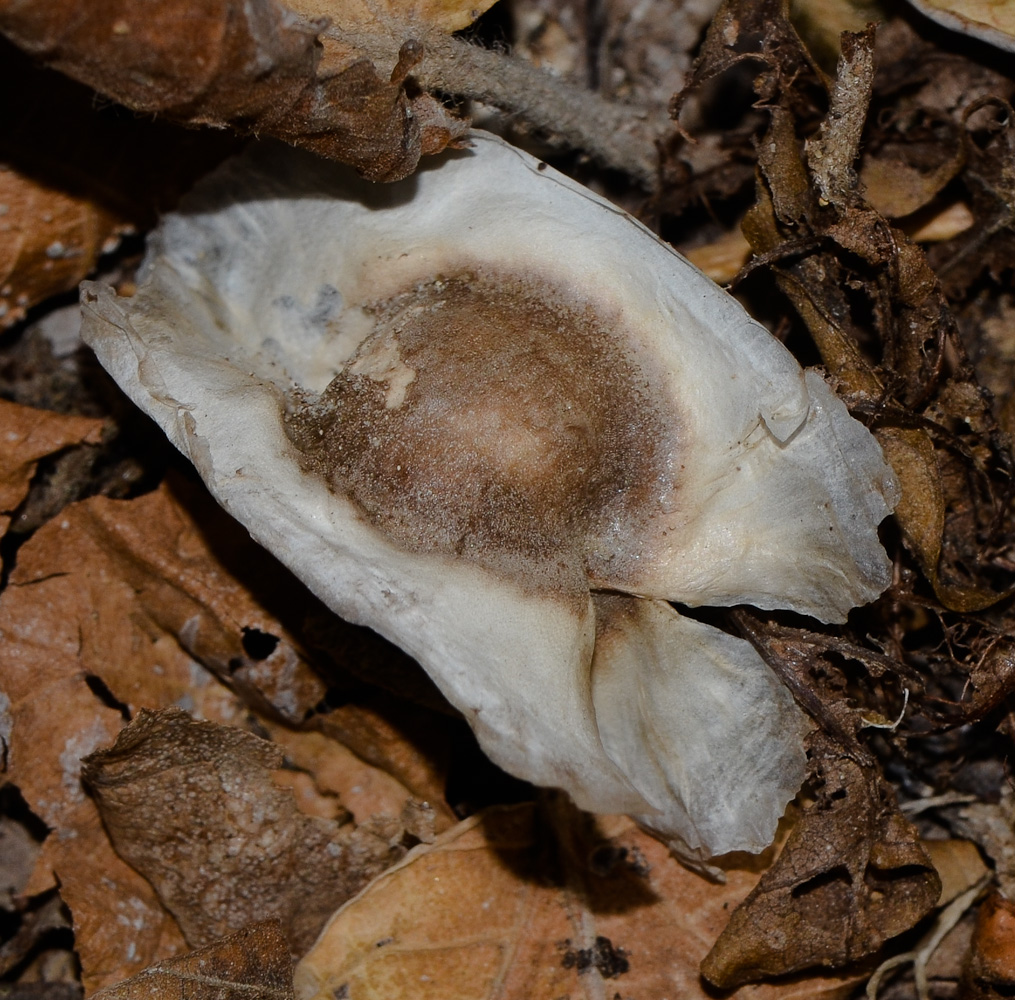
{"points": [[474, 409]]}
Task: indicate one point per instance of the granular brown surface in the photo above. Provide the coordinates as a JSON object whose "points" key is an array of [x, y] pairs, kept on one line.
{"points": [[487, 419]]}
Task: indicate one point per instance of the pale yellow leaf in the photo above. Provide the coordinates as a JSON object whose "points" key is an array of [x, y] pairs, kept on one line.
{"points": [[517, 904], [378, 15], [991, 21]]}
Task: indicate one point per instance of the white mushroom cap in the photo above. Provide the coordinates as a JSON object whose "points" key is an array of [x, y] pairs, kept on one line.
{"points": [[990, 21], [459, 406]]}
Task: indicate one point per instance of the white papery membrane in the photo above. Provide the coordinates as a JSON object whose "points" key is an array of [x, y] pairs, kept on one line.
{"points": [[544, 424]]}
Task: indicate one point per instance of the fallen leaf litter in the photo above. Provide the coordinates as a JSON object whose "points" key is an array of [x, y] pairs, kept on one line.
{"points": [[112, 606]]}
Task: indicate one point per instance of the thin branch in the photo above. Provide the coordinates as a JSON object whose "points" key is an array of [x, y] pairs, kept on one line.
{"points": [[620, 136]]}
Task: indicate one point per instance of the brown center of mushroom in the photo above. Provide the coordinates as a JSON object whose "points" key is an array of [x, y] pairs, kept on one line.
{"points": [[496, 420]]}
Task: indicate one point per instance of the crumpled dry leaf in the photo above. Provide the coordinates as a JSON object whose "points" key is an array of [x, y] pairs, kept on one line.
{"points": [[990, 681], [75, 176], [193, 807], [895, 181], [252, 964], [49, 240], [851, 876], [958, 863], [179, 580], [180, 587], [990, 971], [933, 419], [938, 513], [119, 924], [723, 258], [921, 511], [805, 662], [46, 702], [402, 740], [252, 66], [711, 167], [28, 435], [913, 146], [63, 617], [938, 227], [988, 140], [94, 617], [951, 100], [181, 560], [534, 903], [364, 789], [822, 22], [990, 825]]}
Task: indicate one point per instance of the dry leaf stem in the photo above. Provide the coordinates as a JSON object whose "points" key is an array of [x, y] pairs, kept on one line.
{"points": [[620, 136]]}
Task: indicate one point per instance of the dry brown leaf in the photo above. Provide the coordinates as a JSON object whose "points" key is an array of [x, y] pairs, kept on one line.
{"points": [[959, 865], [46, 613], [897, 188], [988, 136], [252, 964], [364, 790], [191, 589], [990, 972], [494, 910], [252, 66], [722, 259], [94, 617], [909, 158], [942, 100], [833, 151], [990, 825], [119, 924], [851, 876], [74, 176], [161, 572], [192, 806], [988, 681], [921, 510], [822, 22], [28, 435], [65, 618], [403, 740], [952, 481], [49, 240], [426, 15], [177, 561], [940, 226]]}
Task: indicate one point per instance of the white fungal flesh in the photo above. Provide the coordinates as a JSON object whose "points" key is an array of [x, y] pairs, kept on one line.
{"points": [[459, 406], [661, 680], [990, 22]]}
